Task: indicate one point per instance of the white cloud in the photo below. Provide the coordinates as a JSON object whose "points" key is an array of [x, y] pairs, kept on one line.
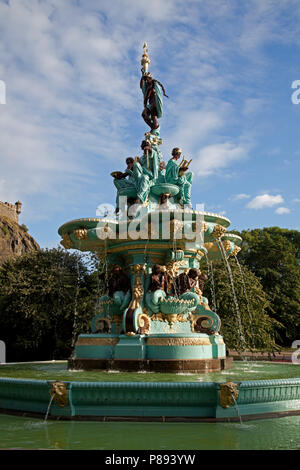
{"points": [[265, 200], [282, 210], [239, 197], [296, 200], [216, 156]]}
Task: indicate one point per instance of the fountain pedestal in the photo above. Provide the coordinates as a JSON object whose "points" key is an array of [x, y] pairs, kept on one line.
{"points": [[159, 353], [143, 330]]}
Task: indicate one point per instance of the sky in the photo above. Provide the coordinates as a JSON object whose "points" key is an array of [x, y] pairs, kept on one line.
{"points": [[70, 108]]}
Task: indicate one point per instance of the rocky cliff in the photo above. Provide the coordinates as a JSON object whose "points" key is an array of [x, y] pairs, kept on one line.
{"points": [[14, 239]]}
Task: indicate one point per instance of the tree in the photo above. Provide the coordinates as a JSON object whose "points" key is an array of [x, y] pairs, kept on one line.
{"points": [[241, 305], [47, 297], [273, 255]]}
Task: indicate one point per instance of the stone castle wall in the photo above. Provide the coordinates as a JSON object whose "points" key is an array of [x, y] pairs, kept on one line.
{"points": [[11, 211]]}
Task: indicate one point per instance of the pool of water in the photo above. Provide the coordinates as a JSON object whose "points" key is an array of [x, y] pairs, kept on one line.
{"points": [[29, 433], [241, 371]]}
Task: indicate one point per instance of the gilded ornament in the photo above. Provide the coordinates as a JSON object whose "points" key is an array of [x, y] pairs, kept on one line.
{"points": [[66, 241], [81, 234], [102, 325], [145, 62], [178, 341], [59, 393], [169, 318], [218, 231], [228, 394], [226, 244], [201, 323], [236, 250], [143, 322], [138, 288], [97, 341]]}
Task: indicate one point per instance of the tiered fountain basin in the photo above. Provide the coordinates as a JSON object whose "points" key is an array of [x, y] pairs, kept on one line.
{"points": [[167, 334], [151, 396], [114, 236]]}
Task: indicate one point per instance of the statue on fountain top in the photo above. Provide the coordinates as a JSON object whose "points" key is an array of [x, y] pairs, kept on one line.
{"points": [[148, 172], [152, 90]]}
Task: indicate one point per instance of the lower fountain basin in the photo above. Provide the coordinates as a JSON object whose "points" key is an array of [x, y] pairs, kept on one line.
{"points": [[150, 396]]}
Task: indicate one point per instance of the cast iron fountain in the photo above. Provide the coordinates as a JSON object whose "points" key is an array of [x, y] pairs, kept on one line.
{"points": [[153, 316]]}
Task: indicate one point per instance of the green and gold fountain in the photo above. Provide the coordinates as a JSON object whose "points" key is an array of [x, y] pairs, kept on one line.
{"points": [[153, 315]]}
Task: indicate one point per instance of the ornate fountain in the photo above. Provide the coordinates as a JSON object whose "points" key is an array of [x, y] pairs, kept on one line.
{"points": [[153, 315]]}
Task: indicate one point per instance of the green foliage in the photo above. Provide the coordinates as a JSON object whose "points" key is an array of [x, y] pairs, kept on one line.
{"points": [[47, 298], [273, 255], [24, 227], [247, 324], [5, 230]]}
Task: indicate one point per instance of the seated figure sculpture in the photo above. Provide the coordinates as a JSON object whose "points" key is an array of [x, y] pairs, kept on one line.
{"points": [[202, 279], [117, 286], [158, 288], [177, 175], [150, 159], [124, 180], [139, 180], [185, 286]]}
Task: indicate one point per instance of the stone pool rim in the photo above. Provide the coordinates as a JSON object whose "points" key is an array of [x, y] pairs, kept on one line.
{"points": [[152, 401]]}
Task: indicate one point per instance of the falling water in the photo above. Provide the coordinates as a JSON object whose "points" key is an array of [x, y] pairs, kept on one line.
{"points": [[244, 286], [61, 269], [237, 309], [212, 283], [237, 409], [97, 266], [246, 296], [75, 308], [49, 406]]}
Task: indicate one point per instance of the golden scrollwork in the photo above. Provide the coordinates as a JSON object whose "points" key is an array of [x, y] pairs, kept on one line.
{"points": [[81, 234], [59, 393], [172, 267], [205, 322], [66, 241], [218, 231], [236, 250], [143, 322], [138, 288], [198, 291], [178, 341], [97, 341], [228, 394], [226, 244], [102, 325]]}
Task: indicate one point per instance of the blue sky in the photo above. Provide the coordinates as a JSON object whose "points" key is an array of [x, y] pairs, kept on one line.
{"points": [[73, 104]]}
